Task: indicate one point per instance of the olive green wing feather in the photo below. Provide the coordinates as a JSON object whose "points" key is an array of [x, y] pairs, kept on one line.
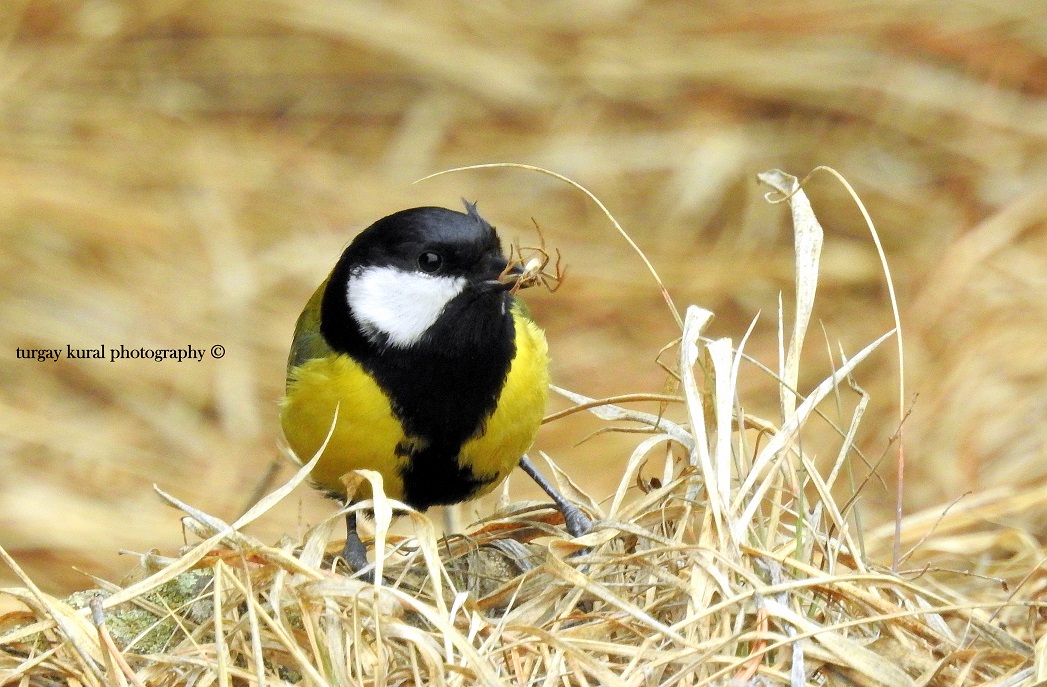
{"points": [[308, 342]]}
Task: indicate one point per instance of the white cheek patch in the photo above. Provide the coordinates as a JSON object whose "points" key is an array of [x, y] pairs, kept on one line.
{"points": [[401, 305]]}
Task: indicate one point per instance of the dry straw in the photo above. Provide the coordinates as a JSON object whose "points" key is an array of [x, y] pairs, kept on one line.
{"points": [[735, 566]]}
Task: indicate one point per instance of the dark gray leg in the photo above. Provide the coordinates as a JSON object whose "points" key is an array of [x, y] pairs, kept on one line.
{"points": [[578, 523], [355, 553]]}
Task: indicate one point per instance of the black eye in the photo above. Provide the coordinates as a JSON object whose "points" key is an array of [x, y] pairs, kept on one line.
{"points": [[430, 261]]}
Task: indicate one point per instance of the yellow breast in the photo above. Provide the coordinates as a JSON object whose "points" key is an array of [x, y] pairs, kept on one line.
{"points": [[366, 433]]}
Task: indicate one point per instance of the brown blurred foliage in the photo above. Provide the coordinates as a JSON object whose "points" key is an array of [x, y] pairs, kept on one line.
{"points": [[177, 173]]}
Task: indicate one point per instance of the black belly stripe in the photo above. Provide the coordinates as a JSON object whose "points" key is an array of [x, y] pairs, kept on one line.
{"points": [[449, 406], [434, 477]]}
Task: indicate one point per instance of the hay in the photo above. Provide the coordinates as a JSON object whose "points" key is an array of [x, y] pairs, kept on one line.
{"points": [[176, 172], [734, 565]]}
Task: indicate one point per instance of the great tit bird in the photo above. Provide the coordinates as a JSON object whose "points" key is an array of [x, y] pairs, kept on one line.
{"points": [[438, 374]]}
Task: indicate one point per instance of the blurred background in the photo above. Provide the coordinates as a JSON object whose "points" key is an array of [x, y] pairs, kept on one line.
{"points": [[180, 172]]}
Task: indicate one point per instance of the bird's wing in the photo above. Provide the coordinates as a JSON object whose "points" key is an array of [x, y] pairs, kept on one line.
{"points": [[308, 342]]}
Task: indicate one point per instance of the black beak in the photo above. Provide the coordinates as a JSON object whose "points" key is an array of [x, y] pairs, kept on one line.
{"points": [[505, 279]]}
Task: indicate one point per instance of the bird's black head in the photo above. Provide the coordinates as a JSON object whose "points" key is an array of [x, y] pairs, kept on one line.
{"points": [[405, 272], [431, 241]]}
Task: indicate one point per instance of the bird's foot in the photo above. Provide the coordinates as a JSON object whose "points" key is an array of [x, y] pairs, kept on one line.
{"points": [[355, 556], [577, 522]]}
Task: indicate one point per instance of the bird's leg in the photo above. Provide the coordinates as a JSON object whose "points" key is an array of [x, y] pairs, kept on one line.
{"points": [[578, 523], [355, 553]]}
